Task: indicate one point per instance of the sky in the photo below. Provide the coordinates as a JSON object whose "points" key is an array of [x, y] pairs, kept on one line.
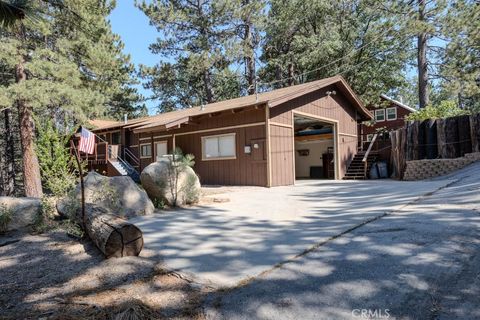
{"points": [[136, 33]]}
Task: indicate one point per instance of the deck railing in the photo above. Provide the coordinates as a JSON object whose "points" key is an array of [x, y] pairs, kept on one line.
{"points": [[365, 157]]}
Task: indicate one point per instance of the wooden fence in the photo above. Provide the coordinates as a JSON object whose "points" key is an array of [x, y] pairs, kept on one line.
{"points": [[434, 139]]}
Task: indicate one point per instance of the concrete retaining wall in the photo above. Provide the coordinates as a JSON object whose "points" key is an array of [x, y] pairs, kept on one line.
{"points": [[429, 168]]}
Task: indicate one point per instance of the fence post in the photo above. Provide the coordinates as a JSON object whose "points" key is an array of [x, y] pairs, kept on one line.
{"points": [[475, 132]]}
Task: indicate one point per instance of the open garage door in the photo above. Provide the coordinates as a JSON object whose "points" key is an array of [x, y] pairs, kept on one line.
{"points": [[314, 148]]}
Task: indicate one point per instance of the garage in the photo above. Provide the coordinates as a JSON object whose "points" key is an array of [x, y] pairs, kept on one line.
{"points": [[314, 148]]}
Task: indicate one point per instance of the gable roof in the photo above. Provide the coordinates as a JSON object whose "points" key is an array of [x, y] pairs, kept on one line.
{"points": [[398, 103], [271, 98], [100, 123]]}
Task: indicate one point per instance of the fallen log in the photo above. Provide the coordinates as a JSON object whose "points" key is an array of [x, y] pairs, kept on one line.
{"points": [[114, 236]]}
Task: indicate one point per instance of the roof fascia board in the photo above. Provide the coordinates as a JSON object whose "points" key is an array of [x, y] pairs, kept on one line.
{"points": [[398, 103]]}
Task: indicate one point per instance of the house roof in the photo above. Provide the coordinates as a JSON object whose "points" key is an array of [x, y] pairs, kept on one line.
{"points": [[398, 103], [271, 98], [100, 123]]}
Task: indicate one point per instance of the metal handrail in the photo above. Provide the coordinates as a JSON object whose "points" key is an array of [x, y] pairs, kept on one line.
{"points": [[365, 157], [129, 153], [129, 167]]}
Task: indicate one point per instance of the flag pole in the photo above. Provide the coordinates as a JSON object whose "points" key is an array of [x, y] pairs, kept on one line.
{"points": [[82, 187]]}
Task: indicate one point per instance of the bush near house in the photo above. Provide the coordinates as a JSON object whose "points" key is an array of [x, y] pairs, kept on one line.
{"points": [[445, 109]]}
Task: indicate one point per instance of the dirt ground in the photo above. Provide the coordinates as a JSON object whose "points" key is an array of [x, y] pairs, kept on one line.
{"points": [[52, 276]]}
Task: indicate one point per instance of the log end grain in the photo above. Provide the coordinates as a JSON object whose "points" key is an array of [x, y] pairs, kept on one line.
{"points": [[124, 241]]}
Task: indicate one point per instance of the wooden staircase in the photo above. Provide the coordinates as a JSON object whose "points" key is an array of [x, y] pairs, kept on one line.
{"points": [[356, 169], [361, 163]]}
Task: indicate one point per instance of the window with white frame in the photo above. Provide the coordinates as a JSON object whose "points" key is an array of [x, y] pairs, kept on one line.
{"points": [[219, 147], [391, 113], [146, 150], [379, 115]]}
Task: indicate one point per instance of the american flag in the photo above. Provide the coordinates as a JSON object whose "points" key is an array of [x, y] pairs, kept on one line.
{"points": [[87, 141]]}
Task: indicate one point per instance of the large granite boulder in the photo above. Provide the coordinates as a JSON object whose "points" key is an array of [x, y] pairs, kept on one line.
{"points": [[158, 178], [119, 194], [22, 212]]}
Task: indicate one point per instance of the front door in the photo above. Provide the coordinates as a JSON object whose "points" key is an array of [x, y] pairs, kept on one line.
{"points": [[160, 149]]}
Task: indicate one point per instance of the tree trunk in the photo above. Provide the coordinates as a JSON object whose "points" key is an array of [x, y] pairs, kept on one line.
{"points": [[423, 95], [114, 236], [207, 82], [249, 55], [31, 169], [291, 74], [9, 158]]}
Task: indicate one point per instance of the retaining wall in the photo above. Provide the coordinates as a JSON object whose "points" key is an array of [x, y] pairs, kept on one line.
{"points": [[429, 168]]}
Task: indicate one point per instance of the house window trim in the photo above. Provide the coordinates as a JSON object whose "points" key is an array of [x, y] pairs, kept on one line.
{"points": [[386, 114], [383, 112], [204, 158], [140, 150]]}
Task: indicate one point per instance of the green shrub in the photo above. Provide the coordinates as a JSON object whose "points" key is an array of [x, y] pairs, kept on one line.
{"points": [[44, 220], [159, 203], [56, 163], [445, 109], [178, 163]]}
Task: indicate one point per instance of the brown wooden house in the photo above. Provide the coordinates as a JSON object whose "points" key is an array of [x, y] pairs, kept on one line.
{"points": [[390, 116], [267, 139]]}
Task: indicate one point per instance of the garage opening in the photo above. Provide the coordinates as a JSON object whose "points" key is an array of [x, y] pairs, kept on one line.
{"points": [[314, 149]]}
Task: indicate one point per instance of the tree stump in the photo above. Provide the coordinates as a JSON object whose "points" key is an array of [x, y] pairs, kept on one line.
{"points": [[114, 236]]}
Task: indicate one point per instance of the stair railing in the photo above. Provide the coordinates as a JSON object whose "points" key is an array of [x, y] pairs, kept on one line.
{"points": [[131, 155], [130, 169], [365, 157]]}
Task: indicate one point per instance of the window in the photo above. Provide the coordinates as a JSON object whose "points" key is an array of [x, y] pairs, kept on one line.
{"points": [[392, 114], [379, 115], [218, 147], [116, 137], [369, 137], [160, 149], [146, 150]]}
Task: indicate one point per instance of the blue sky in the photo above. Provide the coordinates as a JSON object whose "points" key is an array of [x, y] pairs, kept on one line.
{"points": [[136, 33]]}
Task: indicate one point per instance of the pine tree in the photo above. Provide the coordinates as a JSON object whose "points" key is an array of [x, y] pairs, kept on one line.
{"points": [[307, 40], [246, 26], [67, 66], [461, 62], [195, 67]]}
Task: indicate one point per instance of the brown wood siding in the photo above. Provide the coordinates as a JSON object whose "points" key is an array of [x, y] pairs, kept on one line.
{"points": [[317, 104], [347, 146], [389, 125], [227, 119], [246, 169], [281, 146]]}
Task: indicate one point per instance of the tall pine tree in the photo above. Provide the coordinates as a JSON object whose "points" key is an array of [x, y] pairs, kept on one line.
{"points": [[194, 68], [63, 63], [307, 40]]}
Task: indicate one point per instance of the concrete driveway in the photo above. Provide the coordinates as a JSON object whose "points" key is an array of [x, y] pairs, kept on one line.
{"points": [[420, 262], [224, 243]]}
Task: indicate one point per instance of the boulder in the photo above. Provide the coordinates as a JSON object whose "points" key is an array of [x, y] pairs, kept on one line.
{"points": [[23, 211], [156, 180], [119, 194]]}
